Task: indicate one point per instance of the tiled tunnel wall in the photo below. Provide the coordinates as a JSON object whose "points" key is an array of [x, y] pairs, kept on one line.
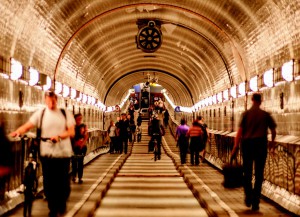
{"points": [[218, 116], [13, 116]]}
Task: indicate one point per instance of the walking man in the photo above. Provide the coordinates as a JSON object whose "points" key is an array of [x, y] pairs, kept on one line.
{"points": [[252, 133], [55, 151]]}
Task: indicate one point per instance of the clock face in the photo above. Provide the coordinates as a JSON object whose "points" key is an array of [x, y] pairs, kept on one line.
{"points": [[149, 39]]}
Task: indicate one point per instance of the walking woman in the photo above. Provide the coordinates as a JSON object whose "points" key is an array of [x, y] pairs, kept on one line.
{"points": [[182, 140]]}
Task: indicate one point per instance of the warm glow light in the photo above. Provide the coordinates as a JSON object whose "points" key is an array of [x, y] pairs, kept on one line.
{"points": [[58, 87], [242, 89], [66, 91], [287, 70], [220, 97], [47, 86], [214, 99], [89, 99], [73, 93], [226, 95], [16, 69], [269, 78], [206, 101], [253, 84], [93, 101], [34, 76], [233, 91], [109, 109], [84, 98]]}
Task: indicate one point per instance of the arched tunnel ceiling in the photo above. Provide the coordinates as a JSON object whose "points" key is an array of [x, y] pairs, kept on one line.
{"points": [[207, 46]]}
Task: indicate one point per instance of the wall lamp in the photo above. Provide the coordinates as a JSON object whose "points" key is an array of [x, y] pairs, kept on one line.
{"points": [[253, 84], [268, 79], [220, 97], [242, 89], [74, 93], [233, 91], [290, 70], [214, 99], [58, 87], [65, 91], [48, 84], [226, 94], [84, 98], [16, 69], [34, 76]]}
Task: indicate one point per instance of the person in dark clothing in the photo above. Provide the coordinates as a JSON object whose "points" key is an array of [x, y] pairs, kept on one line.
{"points": [[157, 131], [252, 133], [79, 148], [124, 129], [139, 119], [195, 134], [131, 112], [117, 139], [182, 140], [5, 160], [205, 134], [132, 132], [166, 118], [139, 132]]}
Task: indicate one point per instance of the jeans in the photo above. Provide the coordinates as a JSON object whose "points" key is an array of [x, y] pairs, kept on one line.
{"points": [[254, 152]]}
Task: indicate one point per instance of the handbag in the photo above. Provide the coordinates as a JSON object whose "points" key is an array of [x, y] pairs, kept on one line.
{"points": [[233, 174]]}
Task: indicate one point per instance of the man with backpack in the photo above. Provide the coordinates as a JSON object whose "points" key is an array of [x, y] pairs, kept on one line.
{"points": [[55, 149]]}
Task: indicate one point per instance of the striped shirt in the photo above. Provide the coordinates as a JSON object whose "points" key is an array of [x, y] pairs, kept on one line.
{"points": [[194, 131]]}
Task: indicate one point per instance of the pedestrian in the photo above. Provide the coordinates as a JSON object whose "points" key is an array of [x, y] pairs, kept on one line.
{"points": [[55, 152], [205, 136], [195, 134], [157, 131], [123, 126], [112, 133], [182, 139], [166, 118], [252, 133], [139, 132], [79, 148], [118, 140], [139, 119]]}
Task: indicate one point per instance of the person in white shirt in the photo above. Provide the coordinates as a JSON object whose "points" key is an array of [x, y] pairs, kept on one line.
{"points": [[57, 128]]}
